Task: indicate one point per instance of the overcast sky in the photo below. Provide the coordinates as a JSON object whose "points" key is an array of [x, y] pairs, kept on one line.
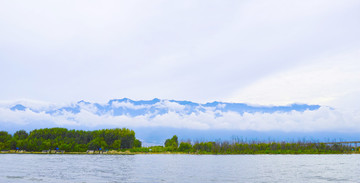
{"points": [[257, 52]]}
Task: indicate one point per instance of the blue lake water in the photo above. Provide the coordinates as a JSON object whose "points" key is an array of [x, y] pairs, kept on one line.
{"points": [[179, 168]]}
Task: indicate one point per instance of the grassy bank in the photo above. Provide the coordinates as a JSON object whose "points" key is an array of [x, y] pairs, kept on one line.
{"points": [[167, 152], [127, 152], [123, 141]]}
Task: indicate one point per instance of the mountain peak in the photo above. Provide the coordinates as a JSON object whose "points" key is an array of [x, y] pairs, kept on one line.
{"points": [[18, 107], [126, 106]]}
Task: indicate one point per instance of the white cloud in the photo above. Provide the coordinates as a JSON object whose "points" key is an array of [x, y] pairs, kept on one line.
{"points": [[259, 52], [172, 106], [328, 80], [323, 119], [128, 105], [162, 104], [29, 117], [174, 50], [88, 107]]}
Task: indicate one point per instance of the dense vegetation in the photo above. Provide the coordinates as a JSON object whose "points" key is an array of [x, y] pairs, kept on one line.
{"points": [[121, 139], [239, 146], [69, 140]]}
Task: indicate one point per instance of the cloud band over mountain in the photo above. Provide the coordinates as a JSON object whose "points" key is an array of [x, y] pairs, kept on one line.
{"points": [[176, 114]]}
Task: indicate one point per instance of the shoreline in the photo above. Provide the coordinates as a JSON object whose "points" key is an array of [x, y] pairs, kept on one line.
{"points": [[171, 153]]}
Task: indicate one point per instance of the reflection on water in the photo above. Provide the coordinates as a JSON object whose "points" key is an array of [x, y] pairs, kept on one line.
{"points": [[179, 168]]}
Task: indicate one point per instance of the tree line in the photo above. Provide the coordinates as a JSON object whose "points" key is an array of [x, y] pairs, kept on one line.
{"points": [[69, 140], [238, 146], [120, 139]]}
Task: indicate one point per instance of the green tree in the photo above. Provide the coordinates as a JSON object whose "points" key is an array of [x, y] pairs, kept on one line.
{"points": [[97, 143], [116, 144], [4, 136], [13, 144], [137, 143], [172, 144], [21, 135], [5, 139], [185, 147]]}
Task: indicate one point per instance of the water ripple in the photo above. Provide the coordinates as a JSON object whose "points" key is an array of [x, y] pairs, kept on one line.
{"points": [[179, 168]]}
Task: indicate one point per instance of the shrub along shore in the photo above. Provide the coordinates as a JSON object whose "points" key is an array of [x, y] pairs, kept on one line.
{"points": [[62, 139], [239, 146], [123, 141]]}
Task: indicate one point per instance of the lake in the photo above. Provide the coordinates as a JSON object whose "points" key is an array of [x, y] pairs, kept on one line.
{"points": [[179, 168]]}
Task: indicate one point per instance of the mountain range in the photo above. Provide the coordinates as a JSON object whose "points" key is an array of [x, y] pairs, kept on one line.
{"points": [[125, 106], [157, 119]]}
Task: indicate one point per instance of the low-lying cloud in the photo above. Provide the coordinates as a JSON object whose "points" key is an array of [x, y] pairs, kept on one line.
{"points": [[206, 118]]}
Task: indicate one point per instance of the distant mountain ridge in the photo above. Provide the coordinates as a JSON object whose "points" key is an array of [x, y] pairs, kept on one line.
{"points": [[158, 119], [126, 106]]}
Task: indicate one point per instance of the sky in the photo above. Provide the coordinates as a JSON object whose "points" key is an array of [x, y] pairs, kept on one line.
{"points": [[256, 52]]}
